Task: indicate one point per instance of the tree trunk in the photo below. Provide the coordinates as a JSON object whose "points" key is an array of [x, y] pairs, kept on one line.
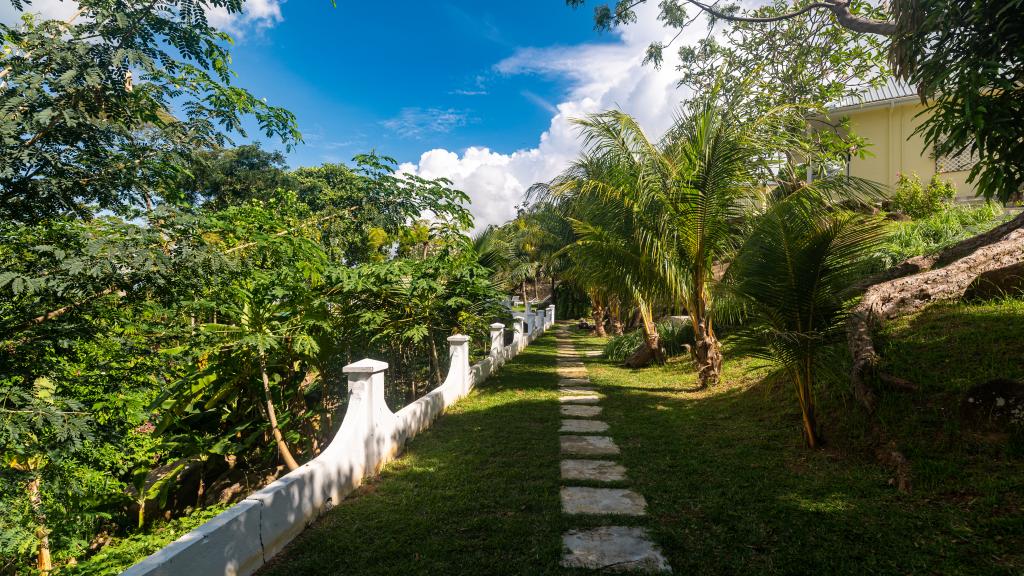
{"points": [[435, 361], [43, 562], [650, 349], [707, 351], [909, 287], [536, 288], [901, 296], [804, 381], [522, 288], [598, 314], [282, 446], [615, 315]]}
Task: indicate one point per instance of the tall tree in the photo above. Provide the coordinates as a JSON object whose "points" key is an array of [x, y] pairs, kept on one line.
{"points": [[87, 104]]}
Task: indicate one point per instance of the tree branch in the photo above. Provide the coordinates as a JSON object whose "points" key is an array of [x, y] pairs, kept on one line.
{"points": [[839, 8]]}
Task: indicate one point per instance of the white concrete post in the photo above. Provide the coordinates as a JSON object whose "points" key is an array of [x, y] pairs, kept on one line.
{"points": [[526, 303], [366, 389], [497, 340], [518, 333], [551, 315], [458, 354], [530, 324]]}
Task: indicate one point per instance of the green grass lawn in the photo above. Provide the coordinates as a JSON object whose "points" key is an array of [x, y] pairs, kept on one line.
{"points": [[729, 485]]}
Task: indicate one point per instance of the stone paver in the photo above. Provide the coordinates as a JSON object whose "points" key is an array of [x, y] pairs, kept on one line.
{"points": [[580, 399], [579, 390], [573, 382], [602, 501], [614, 549], [581, 411], [588, 445], [583, 426], [593, 470], [571, 372]]}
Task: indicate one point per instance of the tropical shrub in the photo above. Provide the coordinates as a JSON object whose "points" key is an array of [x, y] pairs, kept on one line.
{"points": [[919, 201], [675, 336], [933, 233]]}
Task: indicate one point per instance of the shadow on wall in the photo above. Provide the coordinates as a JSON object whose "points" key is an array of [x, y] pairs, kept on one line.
{"points": [[241, 539]]}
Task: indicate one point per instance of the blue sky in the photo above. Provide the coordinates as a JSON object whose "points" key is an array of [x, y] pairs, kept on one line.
{"points": [[481, 93], [405, 77]]}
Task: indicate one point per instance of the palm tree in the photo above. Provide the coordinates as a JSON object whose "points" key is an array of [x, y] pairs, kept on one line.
{"points": [[610, 252], [789, 277], [672, 206]]}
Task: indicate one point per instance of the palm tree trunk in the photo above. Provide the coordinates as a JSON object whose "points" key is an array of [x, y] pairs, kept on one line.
{"points": [[43, 562], [282, 446], [805, 394], [598, 313], [707, 350], [615, 315], [650, 350]]}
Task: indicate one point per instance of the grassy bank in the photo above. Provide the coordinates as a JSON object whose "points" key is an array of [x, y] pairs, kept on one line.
{"points": [[732, 490]]}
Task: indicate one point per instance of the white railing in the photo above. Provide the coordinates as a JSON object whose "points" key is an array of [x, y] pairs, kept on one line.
{"points": [[239, 540]]}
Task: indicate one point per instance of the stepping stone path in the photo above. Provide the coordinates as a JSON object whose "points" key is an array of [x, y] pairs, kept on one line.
{"points": [[585, 459]]}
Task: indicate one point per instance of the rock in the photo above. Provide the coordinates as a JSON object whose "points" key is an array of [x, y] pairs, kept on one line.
{"points": [[997, 283], [994, 404]]}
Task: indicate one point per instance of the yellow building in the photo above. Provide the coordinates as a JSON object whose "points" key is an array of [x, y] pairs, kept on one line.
{"points": [[887, 118]]}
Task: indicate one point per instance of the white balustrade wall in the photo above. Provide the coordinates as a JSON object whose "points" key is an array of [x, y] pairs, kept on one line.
{"points": [[241, 539]]}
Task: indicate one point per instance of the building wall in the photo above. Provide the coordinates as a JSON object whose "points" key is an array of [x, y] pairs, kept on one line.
{"points": [[895, 149]]}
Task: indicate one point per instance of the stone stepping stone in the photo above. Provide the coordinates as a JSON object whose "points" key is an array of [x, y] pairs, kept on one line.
{"points": [[580, 399], [593, 353], [579, 390], [588, 445], [569, 363], [573, 382], [576, 411], [571, 372], [602, 501], [583, 426], [593, 470], [614, 549]]}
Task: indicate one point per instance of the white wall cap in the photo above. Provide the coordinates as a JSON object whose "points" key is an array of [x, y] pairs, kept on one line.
{"points": [[365, 366]]}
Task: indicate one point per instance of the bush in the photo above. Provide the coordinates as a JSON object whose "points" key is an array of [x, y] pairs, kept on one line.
{"points": [[918, 201], [674, 336], [931, 234]]}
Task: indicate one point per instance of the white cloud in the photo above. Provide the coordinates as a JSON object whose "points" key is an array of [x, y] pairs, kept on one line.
{"points": [[47, 9], [416, 122], [257, 14], [603, 76]]}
